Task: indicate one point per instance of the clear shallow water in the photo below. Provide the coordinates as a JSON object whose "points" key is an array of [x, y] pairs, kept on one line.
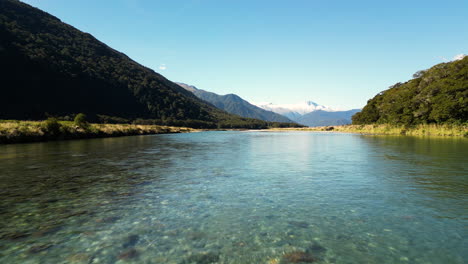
{"points": [[235, 197]]}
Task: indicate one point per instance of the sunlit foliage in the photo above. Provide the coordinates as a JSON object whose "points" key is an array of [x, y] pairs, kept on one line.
{"points": [[437, 95]]}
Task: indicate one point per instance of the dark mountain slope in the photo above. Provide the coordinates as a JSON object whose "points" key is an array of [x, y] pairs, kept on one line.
{"points": [[325, 118], [436, 95], [50, 68], [234, 104]]}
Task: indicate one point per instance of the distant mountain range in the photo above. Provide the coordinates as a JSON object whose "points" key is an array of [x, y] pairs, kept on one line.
{"points": [[293, 111], [325, 118], [311, 114], [308, 113], [234, 104]]}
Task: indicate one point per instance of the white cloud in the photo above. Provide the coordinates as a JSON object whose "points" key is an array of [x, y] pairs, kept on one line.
{"points": [[443, 59], [459, 57], [162, 67]]}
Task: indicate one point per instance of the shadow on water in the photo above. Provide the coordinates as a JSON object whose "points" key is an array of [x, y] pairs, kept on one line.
{"points": [[435, 163]]}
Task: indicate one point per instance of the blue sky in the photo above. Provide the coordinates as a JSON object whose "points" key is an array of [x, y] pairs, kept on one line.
{"points": [[336, 53]]}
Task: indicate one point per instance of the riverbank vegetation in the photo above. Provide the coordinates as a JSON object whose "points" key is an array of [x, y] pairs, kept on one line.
{"points": [[17, 131], [460, 130], [14, 131]]}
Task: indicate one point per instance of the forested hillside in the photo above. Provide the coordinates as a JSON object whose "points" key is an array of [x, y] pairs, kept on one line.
{"points": [[437, 95], [49, 68]]}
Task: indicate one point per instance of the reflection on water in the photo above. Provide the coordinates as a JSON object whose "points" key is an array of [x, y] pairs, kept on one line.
{"points": [[235, 197], [439, 164]]}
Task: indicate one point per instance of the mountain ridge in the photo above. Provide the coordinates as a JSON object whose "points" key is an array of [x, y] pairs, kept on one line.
{"points": [[292, 111], [327, 118], [311, 114], [234, 104]]}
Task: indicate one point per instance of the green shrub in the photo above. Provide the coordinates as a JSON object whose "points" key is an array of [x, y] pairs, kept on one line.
{"points": [[52, 126], [80, 121]]}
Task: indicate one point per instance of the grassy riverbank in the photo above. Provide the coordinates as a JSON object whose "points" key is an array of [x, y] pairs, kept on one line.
{"points": [[13, 131], [384, 129]]}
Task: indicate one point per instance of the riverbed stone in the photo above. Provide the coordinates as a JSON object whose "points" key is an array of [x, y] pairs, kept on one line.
{"points": [[108, 220], [47, 230], [202, 258], [131, 241], [301, 224], [14, 235], [79, 258], [39, 248], [298, 257], [128, 254]]}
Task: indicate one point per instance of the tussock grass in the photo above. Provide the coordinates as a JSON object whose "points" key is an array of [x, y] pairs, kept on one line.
{"points": [[15, 131], [386, 129]]}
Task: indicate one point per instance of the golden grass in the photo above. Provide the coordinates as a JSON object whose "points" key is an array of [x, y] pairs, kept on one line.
{"points": [[385, 129], [14, 131]]}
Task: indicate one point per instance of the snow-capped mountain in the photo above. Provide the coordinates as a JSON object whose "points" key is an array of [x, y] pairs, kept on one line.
{"points": [[234, 104], [311, 114], [293, 111]]}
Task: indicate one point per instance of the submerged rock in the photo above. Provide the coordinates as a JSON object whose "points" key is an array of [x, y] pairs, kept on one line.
{"points": [[128, 254], [77, 213], [274, 261], [39, 248], [316, 248], [131, 241], [44, 231], [300, 224], [79, 258], [51, 200], [108, 220], [126, 194], [15, 235], [241, 244], [202, 258], [298, 257], [196, 235]]}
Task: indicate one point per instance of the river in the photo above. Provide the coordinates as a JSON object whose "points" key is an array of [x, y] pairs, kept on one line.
{"points": [[236, 197]]}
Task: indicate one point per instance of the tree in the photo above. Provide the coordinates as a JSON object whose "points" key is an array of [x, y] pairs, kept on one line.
{"points": [[80, 121], [52, 126], [419, 74]]}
